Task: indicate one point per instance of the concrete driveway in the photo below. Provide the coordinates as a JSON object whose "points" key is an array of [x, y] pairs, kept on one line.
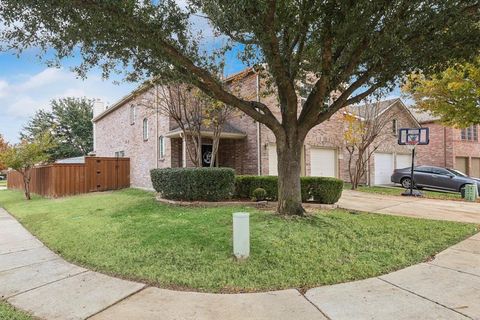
{"points": [[412, 207]]}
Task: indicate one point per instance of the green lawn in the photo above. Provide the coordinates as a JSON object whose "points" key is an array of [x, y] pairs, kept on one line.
{"points": [[3, 183], [397, 191], [7, 312], [127, 233]]}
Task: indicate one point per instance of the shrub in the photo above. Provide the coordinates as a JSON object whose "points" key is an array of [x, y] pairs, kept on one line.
{"points": [[245, 185], [319, 189], [259, 194], [192, 184]]}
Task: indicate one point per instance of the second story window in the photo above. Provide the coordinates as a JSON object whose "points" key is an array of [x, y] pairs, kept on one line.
{"points": [[132, 114], [470, 133], [145, 129], [395, 126]]}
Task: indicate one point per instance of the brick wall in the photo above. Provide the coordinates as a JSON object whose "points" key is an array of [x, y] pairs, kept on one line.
{"points": [[389, 141], [445, 146], [115, 133], [439, 152]]}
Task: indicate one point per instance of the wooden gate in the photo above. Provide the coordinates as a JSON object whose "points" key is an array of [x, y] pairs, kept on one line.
{"points": [[107, 173]]}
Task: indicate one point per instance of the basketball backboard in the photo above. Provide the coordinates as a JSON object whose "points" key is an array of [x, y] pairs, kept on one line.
{"points": [[413, 136]]}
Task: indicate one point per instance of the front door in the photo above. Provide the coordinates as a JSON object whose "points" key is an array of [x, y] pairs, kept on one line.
{"points": [[206, 155]]}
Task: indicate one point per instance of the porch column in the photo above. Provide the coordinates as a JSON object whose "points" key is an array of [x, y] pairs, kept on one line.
{"points": [[184, 152]]}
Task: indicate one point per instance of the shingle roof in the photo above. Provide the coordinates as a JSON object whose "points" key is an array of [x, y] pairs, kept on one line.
{"points": [[382, 106], [227, 128], [72, 160], [422, 116]]}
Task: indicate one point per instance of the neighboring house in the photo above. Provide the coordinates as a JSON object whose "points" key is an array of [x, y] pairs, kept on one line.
{"points": [[132, 128], [450, 147]]}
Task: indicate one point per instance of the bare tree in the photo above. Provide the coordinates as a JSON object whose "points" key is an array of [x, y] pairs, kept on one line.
{"points": [[366, 131], [216, 116], [185, 105]]}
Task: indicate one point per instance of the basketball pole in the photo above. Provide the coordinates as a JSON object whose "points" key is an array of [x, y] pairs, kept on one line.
{"points": [[411, 171]]}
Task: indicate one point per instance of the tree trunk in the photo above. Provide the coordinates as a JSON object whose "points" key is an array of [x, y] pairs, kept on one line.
{"points": [[26, 185], [289, 168], [199, 151], [215, 144]]}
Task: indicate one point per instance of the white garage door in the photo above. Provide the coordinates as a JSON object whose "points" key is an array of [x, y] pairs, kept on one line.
{"points": [[383, 168], [272, 160], [323, 162], [404, 161]]}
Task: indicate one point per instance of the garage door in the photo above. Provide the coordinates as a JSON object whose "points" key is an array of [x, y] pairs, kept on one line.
{"points": [[404, 161], [475, 172], [461, 164], [323, 162], [383, 168], [272, 160]]}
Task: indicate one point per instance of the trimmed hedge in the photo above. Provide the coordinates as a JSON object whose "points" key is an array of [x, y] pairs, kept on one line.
{"points": [[194, 184], [321, 189], [245, 185], [318, 189]]}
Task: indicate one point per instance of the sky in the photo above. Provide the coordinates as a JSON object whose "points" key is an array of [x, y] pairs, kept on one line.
{"points": [[27, 85]]}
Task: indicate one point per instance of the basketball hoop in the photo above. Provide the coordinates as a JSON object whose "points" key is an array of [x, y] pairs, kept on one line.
{"points": [[412, 141], [411, 137]]}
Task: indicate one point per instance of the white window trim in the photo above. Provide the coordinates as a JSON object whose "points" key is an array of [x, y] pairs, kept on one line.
{"points": [[145, 129], [161, 147], [133, 114]]}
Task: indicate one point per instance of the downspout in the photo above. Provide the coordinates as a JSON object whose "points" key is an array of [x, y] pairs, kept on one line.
{"points": [[157, 159], [370, 173], [445, 147], [259, 148], [94, 136]]}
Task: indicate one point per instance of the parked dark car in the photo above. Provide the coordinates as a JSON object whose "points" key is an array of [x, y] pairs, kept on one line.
{"points": [[435, 178]]}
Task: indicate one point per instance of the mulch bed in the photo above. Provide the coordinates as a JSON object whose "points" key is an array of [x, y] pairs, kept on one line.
{"points": [[269, 205]]}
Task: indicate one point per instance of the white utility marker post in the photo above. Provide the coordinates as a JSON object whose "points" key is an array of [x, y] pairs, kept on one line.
{"points": [[241, 235]]}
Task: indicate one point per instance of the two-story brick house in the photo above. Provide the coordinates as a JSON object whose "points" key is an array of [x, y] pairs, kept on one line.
{"points": [[133, 128], [450, 147]]}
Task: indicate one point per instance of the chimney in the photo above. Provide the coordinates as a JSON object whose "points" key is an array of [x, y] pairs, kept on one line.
{"points": [[98, 107]]}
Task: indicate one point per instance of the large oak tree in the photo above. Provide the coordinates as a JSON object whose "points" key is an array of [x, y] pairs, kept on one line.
{"points": [[353, 47]]}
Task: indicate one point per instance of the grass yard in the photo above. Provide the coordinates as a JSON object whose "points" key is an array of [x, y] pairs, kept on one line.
{"points": [[3, 183], [128, 234], [7, 312], [397, 191]]}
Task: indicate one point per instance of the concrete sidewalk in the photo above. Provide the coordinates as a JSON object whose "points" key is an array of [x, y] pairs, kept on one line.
{"points": [[36, 280], [411, 207]]}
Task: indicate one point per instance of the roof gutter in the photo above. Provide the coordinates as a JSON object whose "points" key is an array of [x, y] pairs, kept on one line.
{"points": [[259, 140]]}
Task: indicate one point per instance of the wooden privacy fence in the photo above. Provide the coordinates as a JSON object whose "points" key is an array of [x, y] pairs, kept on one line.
{"points": [[65, 179]]}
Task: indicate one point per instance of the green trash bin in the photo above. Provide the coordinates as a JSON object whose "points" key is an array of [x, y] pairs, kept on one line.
{"points": [[471, 192]]}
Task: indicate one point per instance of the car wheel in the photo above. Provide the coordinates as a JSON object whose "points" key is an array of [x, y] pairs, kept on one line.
{"points": [[406, 183], [462, 191]]}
